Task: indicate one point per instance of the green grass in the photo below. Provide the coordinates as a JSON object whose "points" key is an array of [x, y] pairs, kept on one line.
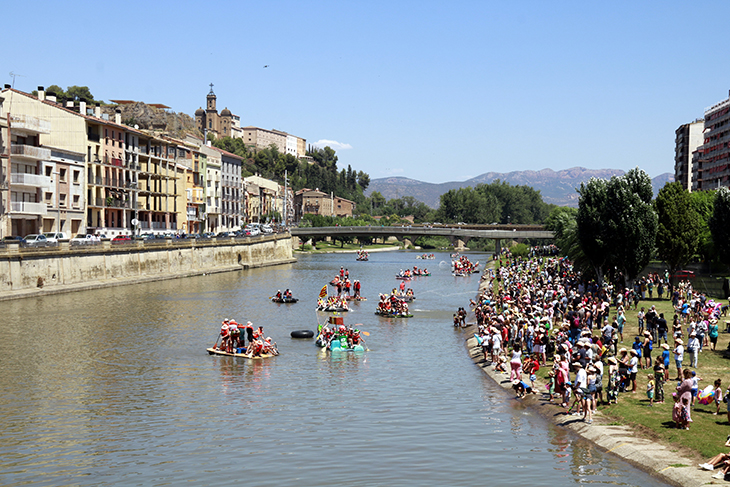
{"points": [[708, 432], [329, 247]]}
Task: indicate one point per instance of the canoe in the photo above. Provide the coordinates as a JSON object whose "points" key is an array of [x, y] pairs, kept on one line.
{"points": [[285, 300], [215, 351], [404, 278]]}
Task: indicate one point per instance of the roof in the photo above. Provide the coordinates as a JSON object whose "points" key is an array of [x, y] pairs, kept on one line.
{"points": [[226, 153], [87, 117]]}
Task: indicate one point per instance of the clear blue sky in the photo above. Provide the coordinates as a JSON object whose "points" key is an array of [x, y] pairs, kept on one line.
{"points": [[436, 91]]}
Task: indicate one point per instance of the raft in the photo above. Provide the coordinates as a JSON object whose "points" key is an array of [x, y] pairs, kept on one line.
{"points": [[403, 278], [363, 259], [353, 298], [333, 309], [284, 300], [391, 315], [215, 351]]}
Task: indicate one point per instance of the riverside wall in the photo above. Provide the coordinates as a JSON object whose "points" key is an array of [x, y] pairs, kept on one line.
{"points": [[65, 268]]}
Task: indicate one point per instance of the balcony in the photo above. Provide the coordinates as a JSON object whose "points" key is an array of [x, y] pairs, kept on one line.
{"points": [[30, 180], [30, 152], [28, 208], [26, 123], [93, 137]]}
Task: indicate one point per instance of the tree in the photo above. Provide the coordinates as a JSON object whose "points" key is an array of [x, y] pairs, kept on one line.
{"points": [[617, 224], [703, 202], [77, 93], [678, 229], [720, 224]]}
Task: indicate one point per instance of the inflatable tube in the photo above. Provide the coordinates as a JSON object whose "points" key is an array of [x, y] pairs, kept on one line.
{"points": [[302, 334]]}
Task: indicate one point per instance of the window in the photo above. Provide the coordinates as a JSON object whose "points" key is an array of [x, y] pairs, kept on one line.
{"points": [[63, 175], [63, 199], [77, 175], [49, 198], [49, 170], [106, 133], [76, 201]]}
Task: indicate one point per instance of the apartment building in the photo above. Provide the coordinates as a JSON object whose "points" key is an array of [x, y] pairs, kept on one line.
{"points": [[232, 217], [688, 137], [712, 167]]}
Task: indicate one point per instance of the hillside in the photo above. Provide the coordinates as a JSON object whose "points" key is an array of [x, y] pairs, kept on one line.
{"points": [[556, 187], [151, 118]]}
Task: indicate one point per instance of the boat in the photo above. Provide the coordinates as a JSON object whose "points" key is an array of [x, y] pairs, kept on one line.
{"points": [[362, 259], [243, 354], [335, 338], [356, 298], [403, 278], [333, 309], [284, 300]]}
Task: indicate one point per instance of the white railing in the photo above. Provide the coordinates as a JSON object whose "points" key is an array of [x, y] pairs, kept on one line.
{"points": [[32, 180], [28, 207], [31, 124]]}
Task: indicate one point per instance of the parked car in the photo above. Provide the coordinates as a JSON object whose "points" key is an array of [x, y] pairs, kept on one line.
{"points": [[55, 237], [266, 228], [120, 239], [12, 238], [252, 232], [35, 240], [83, 239], [224, 235]]}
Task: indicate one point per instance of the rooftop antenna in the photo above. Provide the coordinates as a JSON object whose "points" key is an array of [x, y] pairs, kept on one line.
{"points": [[14, 76]]}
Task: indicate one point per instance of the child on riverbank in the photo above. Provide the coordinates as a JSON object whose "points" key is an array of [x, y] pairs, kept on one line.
{"points": [[650, 389], [718, 395]]}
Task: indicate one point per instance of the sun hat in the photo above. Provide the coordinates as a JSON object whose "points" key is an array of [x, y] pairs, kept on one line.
{"points": [[665, 346]]}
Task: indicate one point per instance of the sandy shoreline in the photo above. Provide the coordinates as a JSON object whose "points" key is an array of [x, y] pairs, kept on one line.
{"points": [[661, 461]]}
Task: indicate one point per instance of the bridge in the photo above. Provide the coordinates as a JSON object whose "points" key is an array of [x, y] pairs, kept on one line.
{"points": [[459, 235]]}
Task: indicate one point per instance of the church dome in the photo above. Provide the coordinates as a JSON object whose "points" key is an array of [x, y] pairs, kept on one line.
{"points": [[200, 111], [226, 112]]}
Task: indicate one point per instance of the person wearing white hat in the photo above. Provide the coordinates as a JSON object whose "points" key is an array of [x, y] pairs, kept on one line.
{"points": [[678, 356]]}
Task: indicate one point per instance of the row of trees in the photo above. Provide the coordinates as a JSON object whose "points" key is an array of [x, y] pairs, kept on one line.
{"points": [[617, 227]]}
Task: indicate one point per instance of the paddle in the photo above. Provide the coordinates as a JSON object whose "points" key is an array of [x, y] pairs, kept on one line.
{"points": [[367, 334]]}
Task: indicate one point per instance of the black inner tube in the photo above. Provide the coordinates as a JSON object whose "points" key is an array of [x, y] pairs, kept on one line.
{"points": [[302, 334]]}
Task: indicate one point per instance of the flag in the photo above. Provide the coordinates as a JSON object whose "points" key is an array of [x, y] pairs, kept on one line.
{"points": [[323, 292]]}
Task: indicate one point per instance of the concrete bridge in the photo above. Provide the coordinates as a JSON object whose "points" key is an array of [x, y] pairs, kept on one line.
{"points": [[459, 235]]}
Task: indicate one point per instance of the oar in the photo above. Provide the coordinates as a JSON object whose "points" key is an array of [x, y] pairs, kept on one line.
{"points": [[367, 334]]}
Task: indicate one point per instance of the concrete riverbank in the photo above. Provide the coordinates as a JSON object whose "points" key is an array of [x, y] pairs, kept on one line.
{"points": [[37, 272], [667, 462]]}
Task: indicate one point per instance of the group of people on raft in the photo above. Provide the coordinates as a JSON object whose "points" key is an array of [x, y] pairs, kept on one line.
{"points": [[345, 287], [463, 266], [426, 256], [285, 296], [337, 333], [393, 305], [233, 338], [410, 273], [362, 255]]}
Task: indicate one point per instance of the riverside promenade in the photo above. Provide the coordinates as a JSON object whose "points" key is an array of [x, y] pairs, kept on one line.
{"points": [[664, 461]]}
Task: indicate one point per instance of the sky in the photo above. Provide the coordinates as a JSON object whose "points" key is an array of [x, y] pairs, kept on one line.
{"points": [[434, 91]]}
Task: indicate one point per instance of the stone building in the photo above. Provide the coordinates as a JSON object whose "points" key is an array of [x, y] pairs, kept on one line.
{"points": [[209, 120]]}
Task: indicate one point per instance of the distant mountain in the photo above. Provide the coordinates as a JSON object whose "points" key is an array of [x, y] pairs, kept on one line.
{"points": [[557, 187]]}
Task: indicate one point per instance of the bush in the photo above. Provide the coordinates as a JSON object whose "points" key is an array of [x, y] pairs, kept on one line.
{"points": [[306, 247], [520, 250]]}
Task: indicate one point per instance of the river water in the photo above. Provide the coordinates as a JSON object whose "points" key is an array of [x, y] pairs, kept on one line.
{"points": [[113, 386]]}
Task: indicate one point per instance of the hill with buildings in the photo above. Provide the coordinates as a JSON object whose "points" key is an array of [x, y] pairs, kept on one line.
{"points": [[556, 187]]}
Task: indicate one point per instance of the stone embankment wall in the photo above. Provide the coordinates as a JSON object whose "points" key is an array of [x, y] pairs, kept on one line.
{"points": [[26, 269]]}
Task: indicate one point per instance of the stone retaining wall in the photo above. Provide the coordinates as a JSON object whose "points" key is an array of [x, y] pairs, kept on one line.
{"points": [[25, 269]]}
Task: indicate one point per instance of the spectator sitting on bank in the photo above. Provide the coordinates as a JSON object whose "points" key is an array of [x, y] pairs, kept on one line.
{"points": [[720, 462]]}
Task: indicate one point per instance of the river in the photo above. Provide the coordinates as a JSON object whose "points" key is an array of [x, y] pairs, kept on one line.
{"points": [[113, 387]]}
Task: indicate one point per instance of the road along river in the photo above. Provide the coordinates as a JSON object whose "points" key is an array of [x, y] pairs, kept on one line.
{"points": [[113, 386]]}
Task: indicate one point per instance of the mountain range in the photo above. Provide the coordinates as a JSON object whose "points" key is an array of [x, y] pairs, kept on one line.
{"points": [[556, 187]]}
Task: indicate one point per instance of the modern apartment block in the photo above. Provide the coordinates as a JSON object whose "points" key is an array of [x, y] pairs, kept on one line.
{"points": [[259, 138], [688, 138], [712, 169]]}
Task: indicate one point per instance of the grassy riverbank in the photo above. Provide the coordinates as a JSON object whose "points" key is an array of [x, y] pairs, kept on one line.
{"points": [[708, 432], [327, 247]]}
